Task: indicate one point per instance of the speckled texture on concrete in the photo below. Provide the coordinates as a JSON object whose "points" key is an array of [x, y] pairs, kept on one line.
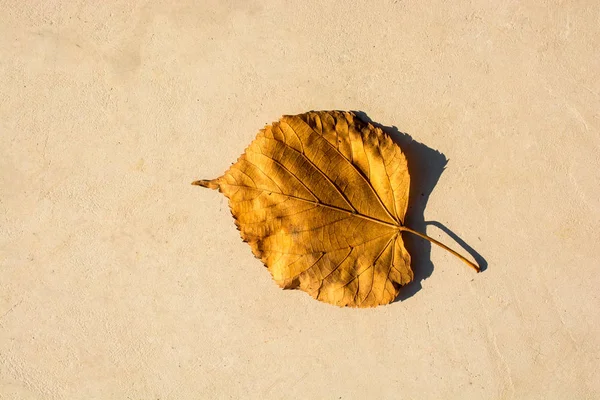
{"points": [[120, 280]]}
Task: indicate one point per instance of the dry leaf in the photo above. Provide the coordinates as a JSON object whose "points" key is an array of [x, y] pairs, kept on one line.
{"points": [[321, 199]]}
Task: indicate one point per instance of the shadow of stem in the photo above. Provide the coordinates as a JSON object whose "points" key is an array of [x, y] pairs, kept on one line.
{"points": [[479, 260]]}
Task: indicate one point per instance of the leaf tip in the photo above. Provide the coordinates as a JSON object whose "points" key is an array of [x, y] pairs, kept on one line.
{"points": [[211, 184]]}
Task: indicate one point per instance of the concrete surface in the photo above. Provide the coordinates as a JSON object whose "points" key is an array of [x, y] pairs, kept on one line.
{"points": [[120, 280]]}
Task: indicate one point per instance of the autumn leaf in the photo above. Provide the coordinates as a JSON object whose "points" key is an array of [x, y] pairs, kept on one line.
{"points": [[321, 198]]}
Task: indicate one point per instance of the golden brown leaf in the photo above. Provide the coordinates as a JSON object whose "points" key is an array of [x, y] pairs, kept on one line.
{"points": [[321, 199]]}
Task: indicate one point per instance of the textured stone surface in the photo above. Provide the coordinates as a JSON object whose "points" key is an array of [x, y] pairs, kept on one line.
{"points": [[118, 279]]}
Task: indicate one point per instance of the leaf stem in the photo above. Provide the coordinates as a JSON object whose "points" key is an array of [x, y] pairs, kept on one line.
{"points": [[443, 246]]}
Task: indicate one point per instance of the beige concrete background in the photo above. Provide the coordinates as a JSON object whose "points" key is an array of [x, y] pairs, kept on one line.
{"points": [[119, 280]]}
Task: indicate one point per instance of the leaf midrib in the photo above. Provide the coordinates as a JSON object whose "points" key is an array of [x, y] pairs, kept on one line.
{"points": [[318, 203]]}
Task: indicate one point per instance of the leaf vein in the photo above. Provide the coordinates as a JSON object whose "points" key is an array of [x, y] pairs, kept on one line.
{"points": [[368, 182]]}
